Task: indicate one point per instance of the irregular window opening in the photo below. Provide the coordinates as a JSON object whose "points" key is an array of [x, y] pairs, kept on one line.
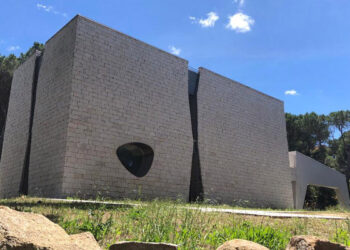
{"points": [[136, 157], [319, 198]]}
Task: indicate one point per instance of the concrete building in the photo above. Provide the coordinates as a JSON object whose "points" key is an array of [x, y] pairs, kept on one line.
{"points": [[306, 171], [101, 113]]}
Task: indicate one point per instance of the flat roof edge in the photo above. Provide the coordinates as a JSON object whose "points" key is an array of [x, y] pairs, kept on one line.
{"points": [[241, 84], [57, 32], [114, 30]]}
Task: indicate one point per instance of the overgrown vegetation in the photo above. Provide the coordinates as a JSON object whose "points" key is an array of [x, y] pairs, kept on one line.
{"points": [[166, 221], [95, 222]]}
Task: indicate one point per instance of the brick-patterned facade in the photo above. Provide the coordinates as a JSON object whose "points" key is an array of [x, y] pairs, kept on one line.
{"points": [[98, 89], [125, 91], [51, 116], [242, 143], [17, 129]]}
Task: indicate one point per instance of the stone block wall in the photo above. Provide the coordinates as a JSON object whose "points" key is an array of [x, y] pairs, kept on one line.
{"points": [[242, 143], [99, 89], [17, 129], [123, 91], [52, 109]]}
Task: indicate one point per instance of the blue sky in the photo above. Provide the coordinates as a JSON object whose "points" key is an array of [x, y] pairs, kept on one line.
{"points": [[295, 50]]}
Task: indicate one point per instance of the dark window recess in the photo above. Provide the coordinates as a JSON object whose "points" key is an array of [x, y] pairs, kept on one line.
{"points": [[136, 157]]}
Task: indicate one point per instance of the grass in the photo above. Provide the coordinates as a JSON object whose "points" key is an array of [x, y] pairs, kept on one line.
{"points": [[168, 221]]}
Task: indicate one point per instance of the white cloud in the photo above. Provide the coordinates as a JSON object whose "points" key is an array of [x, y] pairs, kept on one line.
{"points": [[240, 2], [174, 50], [291, 92], [193, 19], [240, 22], [210, 21], [44, 7], [13, 48], [50, 9]]}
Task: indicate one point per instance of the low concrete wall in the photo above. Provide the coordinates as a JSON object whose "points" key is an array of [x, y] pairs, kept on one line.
{"points": [[306, 171]]}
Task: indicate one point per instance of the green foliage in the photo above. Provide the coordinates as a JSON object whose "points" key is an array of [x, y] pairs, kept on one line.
{"points": [[300, 227], [175, 222], [169, 222], [98, 228], [264, 235], [340, 120], [95, 222], [9, 63], [166, 222], [36, 46], [307, 134], [342, 235], [137, 213], [320, 198]]}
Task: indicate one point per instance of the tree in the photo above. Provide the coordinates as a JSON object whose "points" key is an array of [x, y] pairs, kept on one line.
{"points": [[36, 46], [309, 134], [340, 121]]}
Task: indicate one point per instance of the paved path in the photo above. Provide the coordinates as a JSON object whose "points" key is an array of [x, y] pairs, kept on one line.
{"points": [[108, 203], [274, 214]]}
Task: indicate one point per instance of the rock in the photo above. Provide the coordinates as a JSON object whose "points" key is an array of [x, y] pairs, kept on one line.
{"points": [[34, 231], [241, 245], [132, 245], [308, 242], [85, 241]]}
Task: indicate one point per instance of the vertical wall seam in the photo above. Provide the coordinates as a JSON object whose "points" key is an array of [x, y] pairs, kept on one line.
{"points": [[196, 186], [23, 188]]}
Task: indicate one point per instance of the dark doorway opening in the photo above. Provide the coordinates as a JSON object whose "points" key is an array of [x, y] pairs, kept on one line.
{"points": [[319, 198], [136, 157]]}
